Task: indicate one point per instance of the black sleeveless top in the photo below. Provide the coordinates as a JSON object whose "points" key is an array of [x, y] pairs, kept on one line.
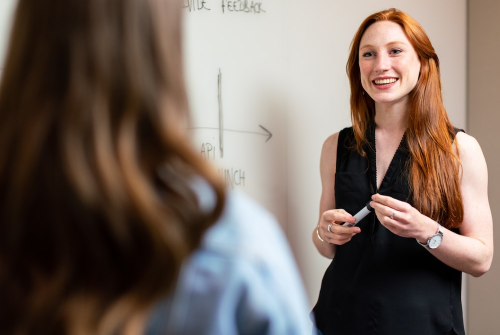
{"points": [[381, 283]]}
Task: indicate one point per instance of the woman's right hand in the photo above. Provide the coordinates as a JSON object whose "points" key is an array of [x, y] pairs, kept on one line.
{"points": [[338, 234]]}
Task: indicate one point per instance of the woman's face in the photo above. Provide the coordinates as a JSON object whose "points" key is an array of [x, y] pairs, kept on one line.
{"points": [[388, 63]]}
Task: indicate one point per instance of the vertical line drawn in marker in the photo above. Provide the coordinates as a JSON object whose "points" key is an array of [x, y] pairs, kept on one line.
{"points": [[221, 124]]}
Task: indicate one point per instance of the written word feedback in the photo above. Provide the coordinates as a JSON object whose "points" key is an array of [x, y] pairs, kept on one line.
{"points": [[242, 6]]}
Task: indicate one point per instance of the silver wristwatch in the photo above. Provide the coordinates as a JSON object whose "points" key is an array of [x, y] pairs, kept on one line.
{"points": [[435, 240]]}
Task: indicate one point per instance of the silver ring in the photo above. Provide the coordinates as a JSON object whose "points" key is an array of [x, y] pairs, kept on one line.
{"points": [[393, 213], [330, 228]]}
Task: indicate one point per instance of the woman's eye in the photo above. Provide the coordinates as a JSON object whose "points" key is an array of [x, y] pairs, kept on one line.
{"points": [[367, 54], [396, 51]]}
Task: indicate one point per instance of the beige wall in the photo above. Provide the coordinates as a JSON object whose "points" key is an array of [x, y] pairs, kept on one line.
{"points": [[483, 124]]}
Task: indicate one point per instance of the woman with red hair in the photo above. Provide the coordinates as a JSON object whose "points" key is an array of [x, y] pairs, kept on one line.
{"points": [[399, 269]]}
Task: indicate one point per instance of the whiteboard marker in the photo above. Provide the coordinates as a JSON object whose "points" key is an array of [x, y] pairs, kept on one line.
{"points": [[360, 215]]}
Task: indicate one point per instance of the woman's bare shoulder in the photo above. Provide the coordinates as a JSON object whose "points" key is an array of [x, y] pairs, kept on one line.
{"points": [[468, 148], [474, 171], [330, 144], [329, 155]]}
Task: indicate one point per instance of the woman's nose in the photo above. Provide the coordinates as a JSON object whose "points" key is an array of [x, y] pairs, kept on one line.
{"points": [[382, 63]]}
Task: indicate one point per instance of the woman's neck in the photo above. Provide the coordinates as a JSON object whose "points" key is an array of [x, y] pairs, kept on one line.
{"points": [[391, 117]]}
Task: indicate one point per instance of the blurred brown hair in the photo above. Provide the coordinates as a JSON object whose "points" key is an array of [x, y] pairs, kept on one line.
{"points": [[96, 208], [434, 166]]}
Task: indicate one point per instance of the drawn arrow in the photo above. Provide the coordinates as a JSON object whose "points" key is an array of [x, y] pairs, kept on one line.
{"points": [[267, 132]]}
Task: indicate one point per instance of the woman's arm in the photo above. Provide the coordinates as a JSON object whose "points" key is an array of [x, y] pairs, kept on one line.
{"points": [[471, 251], [328, 214]]}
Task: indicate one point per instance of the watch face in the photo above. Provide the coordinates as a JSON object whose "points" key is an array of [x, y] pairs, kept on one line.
{"points": [[435, 241]]}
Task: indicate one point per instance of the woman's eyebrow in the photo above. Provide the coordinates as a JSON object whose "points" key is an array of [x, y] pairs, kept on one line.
{"points": [[388, 44]]}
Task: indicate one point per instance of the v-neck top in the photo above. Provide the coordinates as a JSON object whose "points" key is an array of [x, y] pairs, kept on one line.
{"points": [[379, 282]]}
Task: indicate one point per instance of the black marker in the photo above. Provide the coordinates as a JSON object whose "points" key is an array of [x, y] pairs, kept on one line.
{"points": [[360, 215]]}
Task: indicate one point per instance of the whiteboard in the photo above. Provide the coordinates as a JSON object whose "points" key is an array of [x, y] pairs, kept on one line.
{"points": [[283, 68], [267, 84], [235, 65]]}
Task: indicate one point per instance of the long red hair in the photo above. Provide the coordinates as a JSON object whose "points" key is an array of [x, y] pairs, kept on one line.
{"points": [[433, 166]]}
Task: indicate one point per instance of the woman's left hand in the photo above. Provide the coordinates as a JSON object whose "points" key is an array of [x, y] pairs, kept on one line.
{"points": [[401, 218]]}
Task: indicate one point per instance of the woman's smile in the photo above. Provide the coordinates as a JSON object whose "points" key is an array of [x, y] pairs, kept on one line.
{"points": [[383, 83]]}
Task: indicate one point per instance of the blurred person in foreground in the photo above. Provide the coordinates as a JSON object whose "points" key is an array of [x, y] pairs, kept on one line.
{"points": [[110, 222]]}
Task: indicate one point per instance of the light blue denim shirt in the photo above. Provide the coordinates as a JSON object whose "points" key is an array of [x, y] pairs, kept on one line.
{"points": [[242, 280]]}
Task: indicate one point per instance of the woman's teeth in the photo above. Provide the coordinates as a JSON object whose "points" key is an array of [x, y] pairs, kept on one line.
{"points": [[385, 81]]}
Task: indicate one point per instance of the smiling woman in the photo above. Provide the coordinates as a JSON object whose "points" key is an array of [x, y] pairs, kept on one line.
{"points": [[399, 270]]}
